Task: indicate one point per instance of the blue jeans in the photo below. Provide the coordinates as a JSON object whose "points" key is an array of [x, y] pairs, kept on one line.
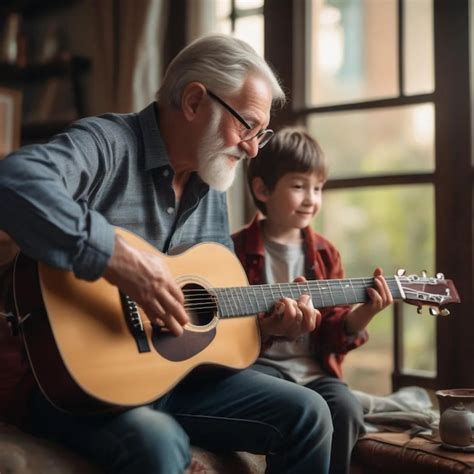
{"points": [[347, 416], [218, 410]]}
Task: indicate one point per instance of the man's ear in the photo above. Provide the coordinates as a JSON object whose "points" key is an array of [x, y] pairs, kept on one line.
{"points": [[260, 190], [191, 99]]}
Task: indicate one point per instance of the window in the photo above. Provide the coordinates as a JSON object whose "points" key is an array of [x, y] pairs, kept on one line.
{"points": [[391, 105], [369, 222], [245, 20], [369, 79]]}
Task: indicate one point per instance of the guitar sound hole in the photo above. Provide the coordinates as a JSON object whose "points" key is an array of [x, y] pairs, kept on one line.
{"points": [[200, 305]]}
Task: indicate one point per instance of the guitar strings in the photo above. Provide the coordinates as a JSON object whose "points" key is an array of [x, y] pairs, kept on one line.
{"points": [[201, 299]]}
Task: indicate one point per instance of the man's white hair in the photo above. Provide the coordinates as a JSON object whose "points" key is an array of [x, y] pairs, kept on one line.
{"points": [[221, 63]]}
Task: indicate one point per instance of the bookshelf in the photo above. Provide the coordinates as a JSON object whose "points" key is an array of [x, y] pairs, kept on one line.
{"points": [[51, 85]]}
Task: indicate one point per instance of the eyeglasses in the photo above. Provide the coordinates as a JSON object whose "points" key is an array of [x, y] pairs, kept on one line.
{"points": [[249, 133]]}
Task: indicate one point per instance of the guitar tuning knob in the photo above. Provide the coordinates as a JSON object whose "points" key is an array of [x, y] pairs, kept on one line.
{"points": [[401, 272], [444, 312], [419, 309], [440, 276], [434, 311], [424, 273]]}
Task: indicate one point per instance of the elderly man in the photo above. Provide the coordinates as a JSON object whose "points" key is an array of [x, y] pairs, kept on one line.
{"points": [[161, 173]]}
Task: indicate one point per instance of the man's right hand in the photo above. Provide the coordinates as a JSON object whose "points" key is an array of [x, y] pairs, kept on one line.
{"points": [[8, 249], [147, 280]]}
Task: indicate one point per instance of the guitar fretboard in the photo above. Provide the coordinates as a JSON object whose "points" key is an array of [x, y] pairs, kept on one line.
{"points": [[248, 300]]}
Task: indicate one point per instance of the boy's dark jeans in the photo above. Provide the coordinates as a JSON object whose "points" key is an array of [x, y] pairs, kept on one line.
{"points": [[347, 416]]}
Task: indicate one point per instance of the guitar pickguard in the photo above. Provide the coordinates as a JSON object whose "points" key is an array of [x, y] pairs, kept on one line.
{"points": [[180, 348]]}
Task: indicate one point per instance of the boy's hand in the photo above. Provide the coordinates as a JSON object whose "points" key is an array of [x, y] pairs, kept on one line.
{"points": [[290, 319], [379, 298]]}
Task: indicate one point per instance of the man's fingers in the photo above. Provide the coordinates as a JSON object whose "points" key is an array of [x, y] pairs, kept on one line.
{"points": [[173, 325], [174, 308], [166, 310]]}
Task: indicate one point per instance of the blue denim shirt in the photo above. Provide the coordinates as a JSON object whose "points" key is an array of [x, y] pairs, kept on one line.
{"points": [[59, 201]]}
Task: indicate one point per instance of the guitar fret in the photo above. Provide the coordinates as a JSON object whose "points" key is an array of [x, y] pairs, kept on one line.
{"points": [[228, 306], [264, 295], [331, 294], [274, 297], [343, 291], [232, 301], [353, 290], [222, 303], [322, 290], [243, 303], [255, 300]]}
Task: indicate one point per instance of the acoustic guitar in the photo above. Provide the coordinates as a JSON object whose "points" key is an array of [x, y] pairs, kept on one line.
{"points": [[91, 348]]}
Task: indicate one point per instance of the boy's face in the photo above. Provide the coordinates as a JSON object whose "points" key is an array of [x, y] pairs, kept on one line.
{"points": [[295, 200]]}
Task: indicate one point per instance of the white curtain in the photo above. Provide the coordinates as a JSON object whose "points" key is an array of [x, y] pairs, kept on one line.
{"points": [[201, 18]]}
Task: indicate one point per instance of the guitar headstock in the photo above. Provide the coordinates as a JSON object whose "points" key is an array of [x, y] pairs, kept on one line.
{"points": [[435, 292]]}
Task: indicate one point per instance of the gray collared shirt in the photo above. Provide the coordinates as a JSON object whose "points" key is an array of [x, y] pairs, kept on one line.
{"points": [[59, 201]]}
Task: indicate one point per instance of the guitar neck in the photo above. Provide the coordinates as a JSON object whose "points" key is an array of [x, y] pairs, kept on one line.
{"points": [[242, 301]]}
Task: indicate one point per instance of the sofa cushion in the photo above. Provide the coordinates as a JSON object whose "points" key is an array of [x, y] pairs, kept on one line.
{"points": [[15, 376], [21, 453], [398, 452]]}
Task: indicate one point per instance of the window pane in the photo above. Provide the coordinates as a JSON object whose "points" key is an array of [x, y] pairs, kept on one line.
{"points": [[251, 30], [223, 9], [383, 141], [349, 61], [371, 227], [245, 4], [419, 339], [418, 46]]}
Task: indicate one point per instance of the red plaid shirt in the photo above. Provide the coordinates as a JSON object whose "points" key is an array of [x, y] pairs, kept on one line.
{"points": [[330, 342]]}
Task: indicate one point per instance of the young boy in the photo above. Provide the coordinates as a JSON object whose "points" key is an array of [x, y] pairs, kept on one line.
{"points": [[286, 181]]}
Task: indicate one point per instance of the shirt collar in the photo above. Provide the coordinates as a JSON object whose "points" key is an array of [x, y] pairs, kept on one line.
{"points": [[156, 154], [254, 244]]}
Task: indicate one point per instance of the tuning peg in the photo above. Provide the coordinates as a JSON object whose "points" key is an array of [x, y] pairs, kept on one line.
{"points": [[424, 273], [401, 272], [419, 309], [444, 312], [440, 276], [434, 311]]}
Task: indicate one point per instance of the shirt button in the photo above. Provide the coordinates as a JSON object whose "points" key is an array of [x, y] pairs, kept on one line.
{"points": [[170, 210], [166, 173]]}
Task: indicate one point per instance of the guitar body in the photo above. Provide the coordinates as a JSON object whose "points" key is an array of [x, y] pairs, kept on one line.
{"points": [[83, 352]]}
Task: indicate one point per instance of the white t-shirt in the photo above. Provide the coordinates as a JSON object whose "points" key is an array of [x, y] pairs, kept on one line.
{"points": [[283, 263]]}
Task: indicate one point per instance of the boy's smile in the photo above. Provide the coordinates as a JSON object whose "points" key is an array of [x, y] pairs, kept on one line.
{"points": [[290, 206]]}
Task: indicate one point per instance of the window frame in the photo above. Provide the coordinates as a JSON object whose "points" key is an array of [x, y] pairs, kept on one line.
{"points": [[454, 184], [452, 181]]}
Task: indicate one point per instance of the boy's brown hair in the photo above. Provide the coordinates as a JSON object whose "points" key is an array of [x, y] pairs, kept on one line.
{"points": [[291, 150]]}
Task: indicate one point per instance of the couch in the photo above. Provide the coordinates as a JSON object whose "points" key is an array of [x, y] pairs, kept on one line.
{"points": [[21, 453]]}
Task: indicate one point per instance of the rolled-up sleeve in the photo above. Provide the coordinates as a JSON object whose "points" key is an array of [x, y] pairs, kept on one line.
{"points": [[44, 202]]}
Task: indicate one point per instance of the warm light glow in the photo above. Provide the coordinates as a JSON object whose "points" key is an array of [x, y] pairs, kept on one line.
{"points": [[245, 4], [423, 124], [330, 40]]}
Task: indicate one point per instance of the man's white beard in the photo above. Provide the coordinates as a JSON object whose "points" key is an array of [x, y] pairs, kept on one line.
{"points": [[214, 165]]}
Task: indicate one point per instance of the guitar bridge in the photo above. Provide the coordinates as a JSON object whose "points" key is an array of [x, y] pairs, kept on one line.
{"points": [[134, 323]]}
